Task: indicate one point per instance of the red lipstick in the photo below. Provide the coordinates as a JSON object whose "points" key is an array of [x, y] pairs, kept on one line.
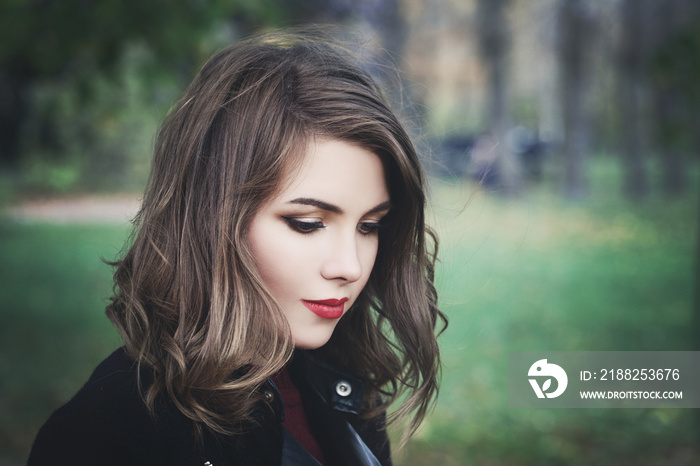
{"points": [[326, 308]]}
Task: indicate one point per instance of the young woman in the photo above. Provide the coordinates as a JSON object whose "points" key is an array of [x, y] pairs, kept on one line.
{"points": [[278, 291]]}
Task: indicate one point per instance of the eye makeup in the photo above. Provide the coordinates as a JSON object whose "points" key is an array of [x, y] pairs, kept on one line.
{"points": [[368, 228], [302, 226]]}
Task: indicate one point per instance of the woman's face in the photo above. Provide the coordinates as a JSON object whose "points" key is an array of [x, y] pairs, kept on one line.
{"points": [[316, 241]]}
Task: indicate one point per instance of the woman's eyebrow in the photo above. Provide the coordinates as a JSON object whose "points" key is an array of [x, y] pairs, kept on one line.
{"points": [[316, 203], [380, 208], [335, 209]]}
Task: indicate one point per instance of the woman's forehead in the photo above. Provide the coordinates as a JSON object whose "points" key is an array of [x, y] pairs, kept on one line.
{"points": [[336, 172]]}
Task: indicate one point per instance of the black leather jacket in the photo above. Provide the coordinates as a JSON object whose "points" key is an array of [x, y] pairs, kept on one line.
{"points": [[107, 423]]}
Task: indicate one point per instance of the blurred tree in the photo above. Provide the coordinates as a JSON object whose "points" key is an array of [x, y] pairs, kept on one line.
{"points": [[577, 21], [631, 77], [494, 46], [676, 96], [385, 17], [71, 40], [666, 101]]}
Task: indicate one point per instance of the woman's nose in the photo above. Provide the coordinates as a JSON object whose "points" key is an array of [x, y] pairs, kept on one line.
{"points": [[343, 261]]}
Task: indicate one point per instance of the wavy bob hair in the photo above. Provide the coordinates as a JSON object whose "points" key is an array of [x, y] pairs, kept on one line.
{"points": [[188, 299]]}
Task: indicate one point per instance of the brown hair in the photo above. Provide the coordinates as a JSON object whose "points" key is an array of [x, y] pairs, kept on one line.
{"points": [[189, 302]]}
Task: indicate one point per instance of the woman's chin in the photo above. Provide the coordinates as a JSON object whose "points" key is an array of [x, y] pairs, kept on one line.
{"points": [[311, 342]]}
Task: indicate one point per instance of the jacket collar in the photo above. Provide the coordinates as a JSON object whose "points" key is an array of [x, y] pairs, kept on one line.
{"points": [[340, 390], [331, 394]]}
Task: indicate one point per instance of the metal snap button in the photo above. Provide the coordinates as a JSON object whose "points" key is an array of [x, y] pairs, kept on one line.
{"points": [[269, 396], [343, 388]]}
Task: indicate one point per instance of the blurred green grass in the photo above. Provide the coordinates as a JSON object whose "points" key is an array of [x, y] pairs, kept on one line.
{"points": [[53, 331], [541, 273], [536, 273]]}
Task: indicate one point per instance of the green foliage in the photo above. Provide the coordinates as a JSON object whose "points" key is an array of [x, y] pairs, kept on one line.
{"points": [[51, 38], [105, 143], [63, 66]]}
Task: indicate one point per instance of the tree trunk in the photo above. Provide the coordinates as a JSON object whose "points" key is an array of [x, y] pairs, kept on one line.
{"points": [[576, 28], [631, 89], [667, 101], [494, 42], [387, 20]]}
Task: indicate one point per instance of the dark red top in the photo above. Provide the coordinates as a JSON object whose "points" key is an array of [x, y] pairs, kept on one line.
{"points": [[294, 416]]}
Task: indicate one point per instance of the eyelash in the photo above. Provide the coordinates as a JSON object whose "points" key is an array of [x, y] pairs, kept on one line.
{"points": [[305, 228], [368, 228]]}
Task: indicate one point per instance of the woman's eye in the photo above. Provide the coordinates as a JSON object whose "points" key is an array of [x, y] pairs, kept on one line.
{"points": [[302, 226], [367, 228]]}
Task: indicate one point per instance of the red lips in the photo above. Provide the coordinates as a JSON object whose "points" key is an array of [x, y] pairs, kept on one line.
{"points": [[326, 308]]}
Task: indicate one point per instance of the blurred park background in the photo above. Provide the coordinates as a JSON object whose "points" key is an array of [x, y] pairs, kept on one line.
{"points": [[561, 138]]}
